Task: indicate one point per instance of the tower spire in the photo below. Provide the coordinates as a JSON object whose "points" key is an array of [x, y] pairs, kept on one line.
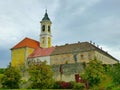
{"points": [[46, 16], [45, 10], [45, 35]]}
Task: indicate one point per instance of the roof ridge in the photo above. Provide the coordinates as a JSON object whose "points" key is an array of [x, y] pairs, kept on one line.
{"points": [[25, 43], [98, 49], [30, 39], [71, 44]]}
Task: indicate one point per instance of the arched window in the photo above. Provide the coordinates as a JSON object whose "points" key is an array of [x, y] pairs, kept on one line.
{"points": [[48, 28], [43, 40], [49, 41], [43, 28]]}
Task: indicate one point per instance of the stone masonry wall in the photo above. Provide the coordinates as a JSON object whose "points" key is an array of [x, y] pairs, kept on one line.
{"points": [[71, 58], [69, 71]]}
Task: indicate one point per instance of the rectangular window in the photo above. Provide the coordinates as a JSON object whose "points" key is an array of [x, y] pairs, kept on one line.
{"points": [[82, 56]]}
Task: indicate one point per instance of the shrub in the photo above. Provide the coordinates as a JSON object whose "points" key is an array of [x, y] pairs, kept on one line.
{"points": [[2, 70], [94, 72], [79, 86], [62, 85], [115, 73], [41, 76], [65, 85], [11, 78], [109, 86], [57, 85]]}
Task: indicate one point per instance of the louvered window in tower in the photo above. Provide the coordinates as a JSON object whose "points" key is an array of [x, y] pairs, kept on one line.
{"points": [[43, 28]]}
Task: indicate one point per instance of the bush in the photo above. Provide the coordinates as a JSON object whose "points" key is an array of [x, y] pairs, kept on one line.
{"points": [[94, 72], [79, 86], [41, 76], [11, 78], [57, 85], [2, 70], [65, 85], [109, 86], [62, 85], [115, 73]]}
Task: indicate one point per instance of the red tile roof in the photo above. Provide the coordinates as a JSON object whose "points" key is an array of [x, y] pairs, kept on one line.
{"points": [[27, 42], [39, 52]]}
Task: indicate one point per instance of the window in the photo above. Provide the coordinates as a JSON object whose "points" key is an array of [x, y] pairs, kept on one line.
{"points": [[82, 56], [75, 58], [49, 42], [43, 38], [48, 28], [43, 28], [89, 56]]}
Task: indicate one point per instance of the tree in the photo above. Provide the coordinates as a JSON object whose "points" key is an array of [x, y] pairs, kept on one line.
{"points": [[94, 72], [41, 76], [2, 70], [115, 73], [11, 78]]}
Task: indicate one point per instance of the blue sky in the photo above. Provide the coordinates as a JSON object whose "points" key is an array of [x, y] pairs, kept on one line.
{"points": [[72, 21]]}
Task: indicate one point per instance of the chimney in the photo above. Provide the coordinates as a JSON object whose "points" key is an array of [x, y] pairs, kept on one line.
{"points": [[78, 41], [91, 42], [98, 46]]}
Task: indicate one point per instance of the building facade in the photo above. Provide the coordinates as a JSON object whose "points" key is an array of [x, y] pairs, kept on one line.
{"points": [[78, 53], [30, 51], [21, 51]]}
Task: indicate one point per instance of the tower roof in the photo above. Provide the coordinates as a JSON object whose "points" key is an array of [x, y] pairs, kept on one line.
{"points": [[46, 16]]}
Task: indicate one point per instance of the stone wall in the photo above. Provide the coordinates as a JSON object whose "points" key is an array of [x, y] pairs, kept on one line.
{"points": [[71, 58], [105, 59], [39, 59], [69, 71]]}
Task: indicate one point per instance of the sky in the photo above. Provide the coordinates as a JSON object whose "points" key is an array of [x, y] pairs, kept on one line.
{"points": [[72, 21]]}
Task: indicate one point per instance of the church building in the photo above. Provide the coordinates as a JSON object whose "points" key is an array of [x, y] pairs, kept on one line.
{"points": [[30, 51]]}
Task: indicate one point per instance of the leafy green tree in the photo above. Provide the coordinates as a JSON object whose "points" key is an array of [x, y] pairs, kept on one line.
{"points": [[41, 76], [115, 73], [94, 72], [2, 70], [11, 78]]}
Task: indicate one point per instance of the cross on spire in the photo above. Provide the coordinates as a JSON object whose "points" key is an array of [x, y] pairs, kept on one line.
{"points": [[45, 10]]}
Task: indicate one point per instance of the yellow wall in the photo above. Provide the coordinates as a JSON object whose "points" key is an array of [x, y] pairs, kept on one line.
{"points": [[19, 56], [29, 51], [49, 42]]}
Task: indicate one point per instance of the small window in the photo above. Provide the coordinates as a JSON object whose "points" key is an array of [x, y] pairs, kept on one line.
{"points": [[75, 58], [43, 28], [82, 56], [43, 40], [48, 28], [89, 56]]}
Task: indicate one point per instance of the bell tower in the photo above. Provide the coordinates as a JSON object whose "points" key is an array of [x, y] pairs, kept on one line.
{"points": [[45, 35]]}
